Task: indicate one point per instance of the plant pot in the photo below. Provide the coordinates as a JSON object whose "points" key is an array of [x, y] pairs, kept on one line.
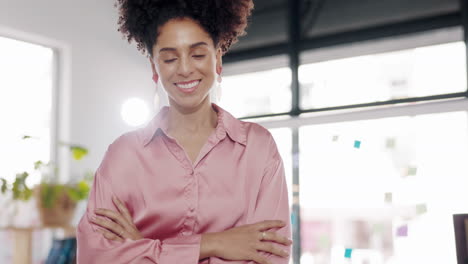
{"points": [[58, 213]]}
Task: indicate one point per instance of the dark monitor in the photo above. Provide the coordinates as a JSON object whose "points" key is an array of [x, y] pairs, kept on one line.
{"points": [[460, 224]]}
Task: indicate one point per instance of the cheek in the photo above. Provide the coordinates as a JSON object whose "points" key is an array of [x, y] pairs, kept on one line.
{"points": [[166, 73], [208, 68]]}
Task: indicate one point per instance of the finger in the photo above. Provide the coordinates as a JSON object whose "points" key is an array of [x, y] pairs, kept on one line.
{"points": [[110, 235], [268, 224], [107, 224], [117, 217], [268, 247], [275, 237], [122, 209], [259, 259]]}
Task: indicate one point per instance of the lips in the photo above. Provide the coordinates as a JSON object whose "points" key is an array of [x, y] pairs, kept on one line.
{"points": [[188, 86]]}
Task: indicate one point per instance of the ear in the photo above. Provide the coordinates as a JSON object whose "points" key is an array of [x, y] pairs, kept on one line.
{"points": [[219, 61]]}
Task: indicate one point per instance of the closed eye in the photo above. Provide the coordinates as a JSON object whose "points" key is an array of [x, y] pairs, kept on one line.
{"points": [[169, 61], [198, 56]]}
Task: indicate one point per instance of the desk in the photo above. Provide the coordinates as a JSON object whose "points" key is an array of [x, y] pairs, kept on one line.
{"points": [[22, 237]]}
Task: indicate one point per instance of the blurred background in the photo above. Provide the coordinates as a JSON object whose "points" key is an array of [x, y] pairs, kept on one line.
{"points": [[367, 101]]}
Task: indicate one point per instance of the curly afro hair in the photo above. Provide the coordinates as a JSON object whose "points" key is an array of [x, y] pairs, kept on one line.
{"points": [[223, 20]]}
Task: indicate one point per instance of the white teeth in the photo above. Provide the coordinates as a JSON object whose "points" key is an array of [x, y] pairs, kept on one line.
{"points": [[188, 85]]}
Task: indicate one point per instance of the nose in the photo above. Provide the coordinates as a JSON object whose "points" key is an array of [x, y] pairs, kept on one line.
{"points": [[185, 67]]}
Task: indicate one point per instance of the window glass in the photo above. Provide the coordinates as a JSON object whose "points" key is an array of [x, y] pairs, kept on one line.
{"points": [[25, 106], [424, 71], [257, 93], [384, 190]]}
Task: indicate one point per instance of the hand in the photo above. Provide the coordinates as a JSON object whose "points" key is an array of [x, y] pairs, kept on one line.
{"points": [[120, 227], [244, 242]]}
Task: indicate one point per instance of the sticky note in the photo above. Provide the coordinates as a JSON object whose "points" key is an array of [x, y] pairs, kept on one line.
{"points": [[324, 241], [347, 253], [421, 209], [388, 197], [390, 143], [295, 200], [295, 188], [412, 171], [357, 144], [335, 138], [293, 218], [378, 228], [402, 231]]}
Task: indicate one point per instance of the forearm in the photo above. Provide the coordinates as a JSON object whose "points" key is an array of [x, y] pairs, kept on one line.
{"points": [[207, 245]]}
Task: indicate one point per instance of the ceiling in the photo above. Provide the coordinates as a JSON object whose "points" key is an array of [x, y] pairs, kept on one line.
{"points": [[269, 20]]}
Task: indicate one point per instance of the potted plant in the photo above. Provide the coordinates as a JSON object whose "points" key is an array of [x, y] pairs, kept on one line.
{"points": [[55, 201]]}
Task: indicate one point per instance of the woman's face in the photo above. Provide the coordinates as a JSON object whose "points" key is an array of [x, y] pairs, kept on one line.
{"points": [[186, 60]]}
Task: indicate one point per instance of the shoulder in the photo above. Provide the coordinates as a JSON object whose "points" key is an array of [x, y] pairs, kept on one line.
{"points": [[126, 142], [260, 139], [122, 151], [256, 133]]}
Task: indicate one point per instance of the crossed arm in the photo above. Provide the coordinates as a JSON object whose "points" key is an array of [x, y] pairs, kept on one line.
{"points": [[106, 233], [239, 243]]}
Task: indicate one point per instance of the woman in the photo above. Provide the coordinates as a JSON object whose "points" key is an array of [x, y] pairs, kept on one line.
{"points": [[196, 185]]}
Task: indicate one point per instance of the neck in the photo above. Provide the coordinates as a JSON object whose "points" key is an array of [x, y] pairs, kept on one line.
{"points": [[194, 120]]}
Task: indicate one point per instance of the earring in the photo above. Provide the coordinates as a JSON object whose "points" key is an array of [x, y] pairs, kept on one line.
{"points": [[155, 78], [156, 95], [219, 71]]}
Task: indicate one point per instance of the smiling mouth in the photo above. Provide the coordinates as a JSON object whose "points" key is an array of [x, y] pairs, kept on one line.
{"points": [[187, 85]]}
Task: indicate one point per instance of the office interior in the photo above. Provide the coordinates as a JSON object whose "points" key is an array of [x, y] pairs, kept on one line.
{"points": [[367, 102]]}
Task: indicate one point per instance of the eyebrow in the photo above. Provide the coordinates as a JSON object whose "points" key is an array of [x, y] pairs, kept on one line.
{"points": [[191, 46]]}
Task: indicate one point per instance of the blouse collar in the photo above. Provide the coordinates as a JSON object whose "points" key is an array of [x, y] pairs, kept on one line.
{"points": [[227, 124]]}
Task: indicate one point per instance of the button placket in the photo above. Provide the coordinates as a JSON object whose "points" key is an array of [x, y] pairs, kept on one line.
{"points": [[191, 196]]}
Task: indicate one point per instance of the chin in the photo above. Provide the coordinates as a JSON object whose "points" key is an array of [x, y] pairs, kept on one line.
{"points": [[191, 102]]}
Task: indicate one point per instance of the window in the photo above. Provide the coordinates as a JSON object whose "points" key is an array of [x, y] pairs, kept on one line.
{"points": [[257, 93], [379, 187], [418, 72], [26, 88], [386, 188]]}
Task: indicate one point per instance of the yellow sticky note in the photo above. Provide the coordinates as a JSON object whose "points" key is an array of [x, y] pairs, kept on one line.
{"points": [[421, 209], [388, 197]]}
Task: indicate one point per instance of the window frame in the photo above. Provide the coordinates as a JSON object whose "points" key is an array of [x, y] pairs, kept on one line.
{"points": [[298, 117], [61, 94]]}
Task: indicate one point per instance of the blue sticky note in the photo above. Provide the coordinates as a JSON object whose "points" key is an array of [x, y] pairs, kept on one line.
{"points": [[357, 144], [347, 253]]}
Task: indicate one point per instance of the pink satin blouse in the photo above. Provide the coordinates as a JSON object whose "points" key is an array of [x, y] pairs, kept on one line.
{"points": [[237, 179]]}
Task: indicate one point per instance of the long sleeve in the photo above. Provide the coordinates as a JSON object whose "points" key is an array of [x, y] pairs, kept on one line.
{"points": [[93, 247], [271, 204]]}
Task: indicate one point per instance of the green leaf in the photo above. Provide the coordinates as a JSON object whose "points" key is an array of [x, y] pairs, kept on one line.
{"points": [[4, 185], [83, 188], [73, 194], [38, 164], [20, 190], [79, 191], [26, 137], [49, 194], [26, 194], [78, 152]]}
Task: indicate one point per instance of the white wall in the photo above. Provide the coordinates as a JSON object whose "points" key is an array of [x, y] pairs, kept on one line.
{"points": [[101, 69]]}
